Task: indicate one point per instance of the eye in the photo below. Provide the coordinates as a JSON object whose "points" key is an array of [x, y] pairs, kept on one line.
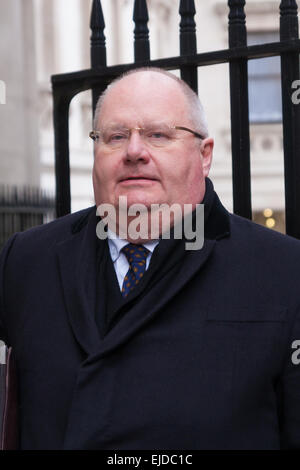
{"points": [[158, 134], [116, 137]]}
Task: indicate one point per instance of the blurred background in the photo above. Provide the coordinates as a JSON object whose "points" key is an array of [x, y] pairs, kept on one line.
{"points": [[40, 38]]}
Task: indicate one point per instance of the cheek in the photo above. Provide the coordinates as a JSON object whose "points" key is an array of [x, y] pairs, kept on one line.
{"points": [[103, 181], [102, 171], [189, 183], [188, 174]]}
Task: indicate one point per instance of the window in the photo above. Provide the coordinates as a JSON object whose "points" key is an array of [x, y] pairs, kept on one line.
{"points": [[264, 83]]}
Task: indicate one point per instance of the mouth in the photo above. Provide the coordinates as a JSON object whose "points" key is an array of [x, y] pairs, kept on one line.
{"points": [[140, 178]]}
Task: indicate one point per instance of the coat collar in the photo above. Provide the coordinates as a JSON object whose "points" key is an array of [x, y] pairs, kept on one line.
{"points": [[216, 217]]}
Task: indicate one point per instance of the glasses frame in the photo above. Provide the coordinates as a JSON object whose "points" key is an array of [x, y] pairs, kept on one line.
{"points": [[95, 134]]}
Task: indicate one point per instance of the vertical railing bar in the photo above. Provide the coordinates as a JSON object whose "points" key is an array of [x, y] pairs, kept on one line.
{"points": [[98, 47], [188, 41], [240, 139], [290, 118], [61, 103], [141, 31]]}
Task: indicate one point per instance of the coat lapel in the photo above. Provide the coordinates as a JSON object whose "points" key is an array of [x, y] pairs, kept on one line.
{"points": [[77, 264]]}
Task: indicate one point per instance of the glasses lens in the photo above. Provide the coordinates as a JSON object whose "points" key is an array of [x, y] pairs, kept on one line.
{"points": [[114, 137], [159, 136]]}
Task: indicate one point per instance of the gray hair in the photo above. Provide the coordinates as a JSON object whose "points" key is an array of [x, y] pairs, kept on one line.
{"points": [[197, 114]]}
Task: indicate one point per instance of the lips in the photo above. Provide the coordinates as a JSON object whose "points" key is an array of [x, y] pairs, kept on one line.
{"points": [[140, 177]]}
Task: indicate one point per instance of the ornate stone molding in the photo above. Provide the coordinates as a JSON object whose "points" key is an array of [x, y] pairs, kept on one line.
{"points": [[260, 16]]}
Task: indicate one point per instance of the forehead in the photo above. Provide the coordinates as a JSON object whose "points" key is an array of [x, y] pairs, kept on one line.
{"points": [[144, 97]]}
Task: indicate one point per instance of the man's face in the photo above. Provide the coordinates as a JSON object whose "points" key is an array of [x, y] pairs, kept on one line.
{"points": [[145, 174]]}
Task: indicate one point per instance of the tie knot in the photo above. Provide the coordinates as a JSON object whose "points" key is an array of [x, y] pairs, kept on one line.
{"points": [[135, 254]]}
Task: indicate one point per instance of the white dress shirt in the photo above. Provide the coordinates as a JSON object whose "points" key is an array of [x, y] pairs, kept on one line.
{"points": [[119, 259]]}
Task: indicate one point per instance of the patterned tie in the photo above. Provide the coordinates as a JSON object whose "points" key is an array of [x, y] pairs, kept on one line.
{"points": [[136, 256]]}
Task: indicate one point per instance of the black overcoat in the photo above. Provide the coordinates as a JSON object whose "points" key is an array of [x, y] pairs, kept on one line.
{"points": [[203, 356]]}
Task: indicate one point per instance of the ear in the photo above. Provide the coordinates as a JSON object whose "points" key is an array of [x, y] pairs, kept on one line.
{"points": [[206, 149]]}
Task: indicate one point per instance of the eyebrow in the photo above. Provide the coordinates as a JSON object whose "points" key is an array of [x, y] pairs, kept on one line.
{"points": [[142, 125]]}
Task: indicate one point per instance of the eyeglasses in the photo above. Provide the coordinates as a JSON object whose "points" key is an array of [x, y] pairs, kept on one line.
{"points": [[153, 136]]}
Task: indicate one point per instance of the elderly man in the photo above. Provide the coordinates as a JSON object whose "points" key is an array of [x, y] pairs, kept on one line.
{"points": [[136, 342]]}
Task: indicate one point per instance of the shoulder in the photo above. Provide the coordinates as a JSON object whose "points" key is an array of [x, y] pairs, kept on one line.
{"points": [[245, 228], [59, 228], [47, 235], [263, 245]]}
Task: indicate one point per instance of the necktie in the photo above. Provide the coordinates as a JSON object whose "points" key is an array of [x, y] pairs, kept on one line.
{"points": [[136, 256]]}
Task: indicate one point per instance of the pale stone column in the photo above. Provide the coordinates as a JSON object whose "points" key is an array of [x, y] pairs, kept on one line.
{"points": [[19, 147]]}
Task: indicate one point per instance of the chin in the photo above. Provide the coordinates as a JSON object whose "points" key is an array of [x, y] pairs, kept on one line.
{"points": [[143, 201], [140, 198]]}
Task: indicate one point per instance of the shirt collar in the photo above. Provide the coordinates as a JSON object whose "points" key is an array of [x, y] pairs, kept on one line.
{"points": [[116, 244]]}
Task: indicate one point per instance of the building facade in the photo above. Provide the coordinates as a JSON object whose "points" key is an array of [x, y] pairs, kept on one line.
{"points": [[58, 42]]}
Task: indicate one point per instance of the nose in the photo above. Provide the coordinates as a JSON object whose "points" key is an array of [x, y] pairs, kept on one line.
{"points": [[136, 149]]}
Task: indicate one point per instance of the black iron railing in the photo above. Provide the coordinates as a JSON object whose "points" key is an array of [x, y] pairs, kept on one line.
{"points": [[23, 208], [66, 86]]}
